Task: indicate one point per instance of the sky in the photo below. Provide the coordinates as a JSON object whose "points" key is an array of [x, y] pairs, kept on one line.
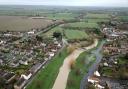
{"points": [[105, 3]]}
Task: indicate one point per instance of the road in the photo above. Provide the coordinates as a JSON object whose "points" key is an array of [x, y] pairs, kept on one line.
{"points": [[93, 68]]}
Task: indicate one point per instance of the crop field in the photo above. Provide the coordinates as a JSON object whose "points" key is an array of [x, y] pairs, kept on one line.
{"points": [[100, 16], [61, 16], [96, 20], [75, 34], [20, 23], [123, 18], [83, 25], [56, 29]]}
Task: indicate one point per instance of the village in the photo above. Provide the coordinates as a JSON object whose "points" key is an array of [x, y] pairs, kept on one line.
{"points": [[56, 47], [112, 70], [22, 54]]}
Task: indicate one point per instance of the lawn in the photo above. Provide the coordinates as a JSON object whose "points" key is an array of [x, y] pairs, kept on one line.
{"points": [[75, 34], [97, 16], [82, 64], [46, 77], [83, 25]]}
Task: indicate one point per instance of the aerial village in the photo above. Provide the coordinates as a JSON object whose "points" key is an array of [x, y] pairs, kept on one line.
{"points": [[22, 54], [35, 58], [111, 72]]}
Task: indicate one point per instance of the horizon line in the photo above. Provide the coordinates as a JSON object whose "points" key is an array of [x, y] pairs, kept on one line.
{"points": [[62, 5]]}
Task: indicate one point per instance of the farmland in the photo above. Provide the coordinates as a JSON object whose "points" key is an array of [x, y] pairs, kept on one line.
{"points": [[96, 20], [20, 23], [75, 34], [123, 18], [83, 25], [56, 29], [60, 16], [98, 16], [68, 33]]}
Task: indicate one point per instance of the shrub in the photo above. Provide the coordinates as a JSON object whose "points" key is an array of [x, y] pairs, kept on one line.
{"points": [[77, 72], [70, 82], [72, 64], [70, 49]]}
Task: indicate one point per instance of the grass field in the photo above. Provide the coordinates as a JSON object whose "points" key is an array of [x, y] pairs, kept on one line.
{"points": [[20, 23], [75, 34], [84, 25], [82, 64], [123, 18], [98, 16], [61, 16], [96, 20], [45, 78], [56, 29]]}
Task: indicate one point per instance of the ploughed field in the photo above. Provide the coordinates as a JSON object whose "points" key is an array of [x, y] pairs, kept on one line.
{"points": [[20, 23]]}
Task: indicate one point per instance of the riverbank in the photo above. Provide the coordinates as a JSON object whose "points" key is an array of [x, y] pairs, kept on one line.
{"points": [[46, 77], [64, 71]]}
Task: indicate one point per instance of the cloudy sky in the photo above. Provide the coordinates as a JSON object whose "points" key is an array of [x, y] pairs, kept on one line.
{"points": [[120, 3]]}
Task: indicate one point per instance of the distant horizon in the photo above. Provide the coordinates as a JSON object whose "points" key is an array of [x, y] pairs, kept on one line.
{"points": [[62, 5], [81, 3]]}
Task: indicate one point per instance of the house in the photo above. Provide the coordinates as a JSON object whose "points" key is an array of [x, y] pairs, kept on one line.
{"points": [[1, 62], [105, 64], [96, 73], [27, 76], [59, 45], [35, 68], [93, 80], [23, 62], [15, 64], [31, 33], [9, 77], [51, 54], [20, 84]]}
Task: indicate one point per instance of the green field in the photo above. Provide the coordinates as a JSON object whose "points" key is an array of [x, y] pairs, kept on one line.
{"points": [[69, 34], [84, 25], [75, 34], [65, 16], [82, 64], [123, 18], [98, 16], [96, 20], [56, 29], [46, 77]]}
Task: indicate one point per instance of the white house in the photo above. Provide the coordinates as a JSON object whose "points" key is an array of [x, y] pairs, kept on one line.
{"points": [[23, 62], [26, 77], [30, 32], [96, 73], [93, 80], [106, 64]]}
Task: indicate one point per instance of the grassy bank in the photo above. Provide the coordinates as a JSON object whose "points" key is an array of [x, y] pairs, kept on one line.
{"points": [[46, 77], [82, 64]]}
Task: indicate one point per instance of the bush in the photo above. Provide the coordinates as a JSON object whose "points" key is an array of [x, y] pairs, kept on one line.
{"points": [[72, 64], [70, 82], [70, 49], [77, 72]]}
